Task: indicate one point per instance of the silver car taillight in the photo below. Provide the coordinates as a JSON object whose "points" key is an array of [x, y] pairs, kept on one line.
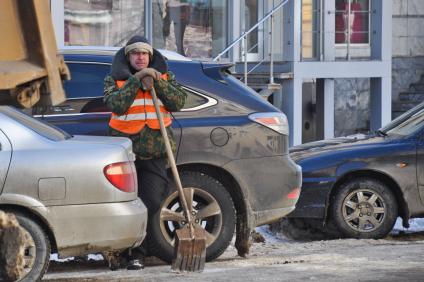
{"points": [[121, 175], [273, 120]]}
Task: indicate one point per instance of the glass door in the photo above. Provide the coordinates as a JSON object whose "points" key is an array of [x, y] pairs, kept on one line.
{"points": [[193, 28], [253, 12], [310, 29]]}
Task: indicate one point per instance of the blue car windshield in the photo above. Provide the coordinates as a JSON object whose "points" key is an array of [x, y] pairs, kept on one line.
{"points": [[409, 126]]}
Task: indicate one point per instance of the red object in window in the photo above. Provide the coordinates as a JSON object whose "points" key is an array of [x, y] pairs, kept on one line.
{"points": [[358, 26], [340, 23], [357, 32]]}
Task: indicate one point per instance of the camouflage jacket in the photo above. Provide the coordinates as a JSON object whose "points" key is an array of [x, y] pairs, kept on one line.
{"points": [[148, 143]]}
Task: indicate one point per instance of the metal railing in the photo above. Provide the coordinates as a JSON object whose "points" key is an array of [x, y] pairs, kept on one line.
{"points": [[245, 51], [316, 33]]}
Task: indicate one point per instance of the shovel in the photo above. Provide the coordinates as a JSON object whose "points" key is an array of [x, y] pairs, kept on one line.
{"points": [[190, 240]]}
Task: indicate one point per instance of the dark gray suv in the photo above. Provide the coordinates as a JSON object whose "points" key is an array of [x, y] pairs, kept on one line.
{"points": [[232, 148]]}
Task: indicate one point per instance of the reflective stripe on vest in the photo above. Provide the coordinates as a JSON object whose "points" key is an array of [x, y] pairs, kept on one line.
{"points": [[140, 113]]}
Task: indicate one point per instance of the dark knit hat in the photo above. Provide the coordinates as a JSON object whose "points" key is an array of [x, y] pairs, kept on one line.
{"points": [[138, 43], [121, 69]]}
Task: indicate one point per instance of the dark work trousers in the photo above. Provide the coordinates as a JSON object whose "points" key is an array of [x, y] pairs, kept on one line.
{"points": [[153, 186], [153, 183]]}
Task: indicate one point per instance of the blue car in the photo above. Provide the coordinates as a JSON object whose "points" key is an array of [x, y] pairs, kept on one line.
{"points": [[232, 148], [357, 186]]}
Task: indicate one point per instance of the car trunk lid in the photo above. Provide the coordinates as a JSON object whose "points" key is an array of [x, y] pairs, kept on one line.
{"points": [[118, 141]]}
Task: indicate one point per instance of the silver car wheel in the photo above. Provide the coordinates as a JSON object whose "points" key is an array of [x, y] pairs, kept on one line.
{"points": [[30, 252], [204, 207], [364, 210], [36, 248]]}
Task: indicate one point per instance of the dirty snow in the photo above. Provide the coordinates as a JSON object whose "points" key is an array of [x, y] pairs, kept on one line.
{"points": [[396, 258], [416, 224]]}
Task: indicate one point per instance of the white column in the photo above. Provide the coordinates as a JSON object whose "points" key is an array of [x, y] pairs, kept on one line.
{"points": [[381, 30], [381, 102], [328, 108], [325, 108], [148, 21], [235, 23], [292, 107], [328, 36], [57, 9], [292, 14]]}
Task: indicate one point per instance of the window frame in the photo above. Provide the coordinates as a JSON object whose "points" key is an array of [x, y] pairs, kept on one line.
{"points": [[210, 101], [343, 45]]}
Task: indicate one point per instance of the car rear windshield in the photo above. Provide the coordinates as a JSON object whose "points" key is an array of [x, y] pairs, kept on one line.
{"points": [[410, 125], [46, 130]]}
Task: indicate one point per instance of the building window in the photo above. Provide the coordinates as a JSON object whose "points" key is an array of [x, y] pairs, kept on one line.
{"points": [[352, 21], [193, 28], [102, 22], [310, 28], [251, 17]]}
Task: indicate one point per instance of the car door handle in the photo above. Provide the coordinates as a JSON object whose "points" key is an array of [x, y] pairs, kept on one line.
{"points": [[62, 108]]}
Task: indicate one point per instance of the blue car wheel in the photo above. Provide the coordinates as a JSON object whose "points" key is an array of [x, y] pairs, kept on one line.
{"points": [[364, 208]]}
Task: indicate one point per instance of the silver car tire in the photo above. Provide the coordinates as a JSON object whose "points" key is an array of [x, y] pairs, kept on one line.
{"points": [[364, 208], [37, 249]]}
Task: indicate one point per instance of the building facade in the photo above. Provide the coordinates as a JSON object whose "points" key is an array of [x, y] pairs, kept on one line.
{"points": [[332, 59]]}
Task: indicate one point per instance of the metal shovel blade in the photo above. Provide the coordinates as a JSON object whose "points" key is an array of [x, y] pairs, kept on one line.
{"points": [[190, 251]]}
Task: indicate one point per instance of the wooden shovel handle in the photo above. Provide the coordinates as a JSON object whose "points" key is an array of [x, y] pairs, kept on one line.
{"points": [[172, 162]]}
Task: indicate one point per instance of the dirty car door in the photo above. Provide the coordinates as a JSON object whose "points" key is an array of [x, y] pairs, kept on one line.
{"points": [[5, 155]]}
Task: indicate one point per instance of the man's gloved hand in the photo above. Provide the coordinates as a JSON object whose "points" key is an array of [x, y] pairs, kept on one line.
{"points": [[148, 72], [147, 77]]}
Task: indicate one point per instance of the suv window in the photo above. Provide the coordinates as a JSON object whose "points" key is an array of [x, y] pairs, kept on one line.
{"points": [[193, 100], [87, 79], [84, 91], [196, 100]]}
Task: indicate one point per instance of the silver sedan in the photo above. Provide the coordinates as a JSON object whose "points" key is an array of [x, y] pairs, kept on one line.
{"points": [[73, 195]]}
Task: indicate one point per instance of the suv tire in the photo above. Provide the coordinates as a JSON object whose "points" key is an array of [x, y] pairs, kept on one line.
{"points": [[219, 221]]}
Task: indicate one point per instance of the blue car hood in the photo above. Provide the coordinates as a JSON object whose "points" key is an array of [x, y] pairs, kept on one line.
{"points": [[335, 144]]}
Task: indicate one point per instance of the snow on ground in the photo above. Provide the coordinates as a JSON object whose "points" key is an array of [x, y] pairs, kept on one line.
{"points": [[416, 225], [395, 258], [94, 257], [269, 236]]}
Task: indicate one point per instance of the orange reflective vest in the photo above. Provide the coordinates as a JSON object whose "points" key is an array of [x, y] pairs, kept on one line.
{"points": [[140, 113]]}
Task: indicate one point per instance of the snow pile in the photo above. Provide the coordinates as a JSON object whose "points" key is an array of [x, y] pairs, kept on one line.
{"points": [[416, 225], [95, 257]]}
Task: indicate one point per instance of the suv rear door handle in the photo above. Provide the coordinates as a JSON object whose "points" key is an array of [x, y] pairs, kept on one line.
{"points": [[62, 108]]}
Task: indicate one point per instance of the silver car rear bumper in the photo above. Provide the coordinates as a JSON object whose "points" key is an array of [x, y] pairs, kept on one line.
{"points": [[93, 228]]}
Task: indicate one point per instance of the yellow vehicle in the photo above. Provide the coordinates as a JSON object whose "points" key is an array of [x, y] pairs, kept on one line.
{"points": [[73, 195], [31, 71]]}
